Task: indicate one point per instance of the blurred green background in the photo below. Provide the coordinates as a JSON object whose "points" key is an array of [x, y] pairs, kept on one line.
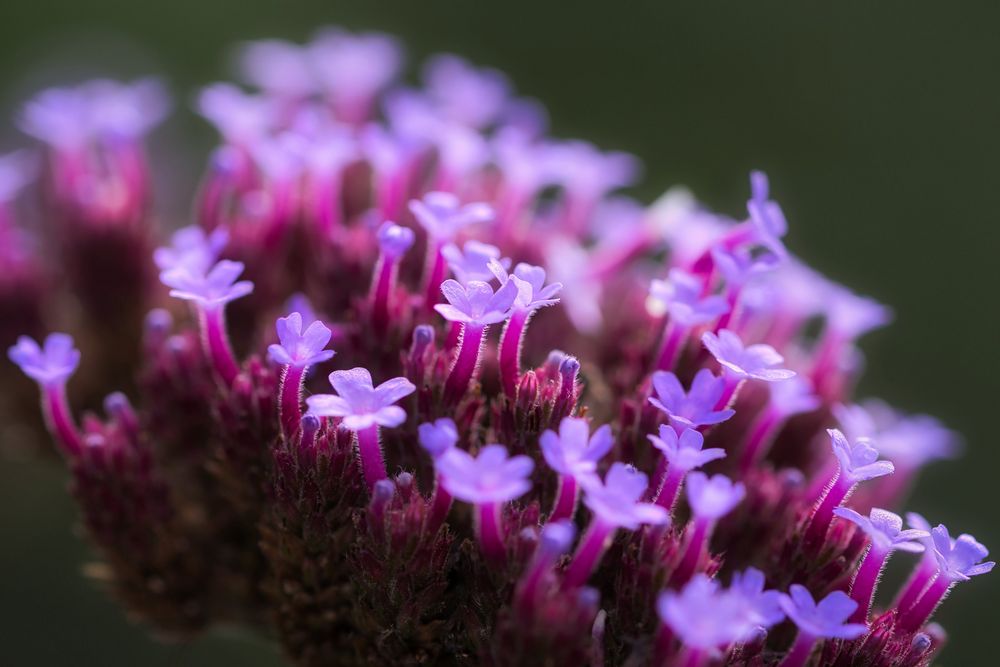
{"points": [[877, 122]]}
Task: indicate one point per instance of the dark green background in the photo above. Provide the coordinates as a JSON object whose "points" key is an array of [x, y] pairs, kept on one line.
{"points": [[877, 121]]}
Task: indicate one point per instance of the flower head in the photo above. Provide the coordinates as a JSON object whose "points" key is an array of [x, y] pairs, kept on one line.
{"points": [[573, 451], [693, 408], [860, 462], [703, 615], [472, 261], [752, 362], [615, 501], [490, 477], [961, 558], [476, 303], [298, 348], [359, 403], [192, 249], [685, 452], [532, 292], [443, 216], [681, 297], [826, 619], [50, 364], [215, 288], [763, 606], [885, 529], [438, 437], [394, 240], [713, 497]]}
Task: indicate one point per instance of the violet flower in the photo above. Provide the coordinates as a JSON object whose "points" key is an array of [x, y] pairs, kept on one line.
{"points": [[681, 455], [763, 607], [753, 362], [556, 538], [465, 94], [51, 365], [587, 175], [682, 298], [573, 453], [363, 408], [472, 261], [766, 215], [706, 618], [693, 408], [710, 499], [437, 438], [393, 242], [295, 352], [192, 249], [910, 441], [825, 620], [279, 67], [353, 68]]}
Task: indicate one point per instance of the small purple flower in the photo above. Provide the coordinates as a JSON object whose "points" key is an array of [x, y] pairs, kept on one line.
{"points": [[465, 94], [215, 288], [360, 403], [681, 297], [438, 437], [587, 172], [693, 408], [472, 261], [238, 116], [959, 559], [763, 607], [532, 292], [354, 67], [852, 316], [685, 452], [703, 616], [860, 462], [885, 529], [48, 365], [793, 396], [476, 303], [766, 215], [826, 619], [616, 500], [394, 240], [298, 348], [192, 249], [713, 497], [443, 216], [277, 66], [573, 451], [909, 441], [752, 362], [491, 477], [570, 263], [738, 265]]}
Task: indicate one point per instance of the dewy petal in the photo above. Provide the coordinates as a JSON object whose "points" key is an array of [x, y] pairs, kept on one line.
{"points": [[328, 405], [355, 386], [451, 313], [390, 416]]}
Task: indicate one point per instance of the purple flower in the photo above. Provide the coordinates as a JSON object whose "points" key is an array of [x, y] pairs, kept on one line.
{"points": [[443, 216], [277, 66], [826, 619], [465, 94], [298, 348], [959, 559], [532, 292], [713, 497], [681, 297], [48, 365], [616, 500], [472, 262], [239, 117], [766, 215], [908, 440], [852, 316], [191, 249], [703, 616], [438, 437], [573, 451], [491, 477], [476, 303], [793, 396], [394, 240], [570, 263], [860, 462], [693, 408], [885, 529], [353, 68], [753, 362], [588, 172], [739, 265], [359, 403], [685, 452], [212, 289], [763, 607], [17, 170]]}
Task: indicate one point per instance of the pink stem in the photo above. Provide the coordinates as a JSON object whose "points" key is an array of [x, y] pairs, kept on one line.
{"points": [[732, 299], [435, 274], [291, 399], [673, 342], [761, 435], [730, 389], [916, 584], [55, 406], [381, 290], [510, 351], [671, 487], [597, 539], [440, 506], [865, 581], [915, 617], [465, 365], [565, 505], [821, 518], [370, 453], [696, 546], [800, 651], [217, 342], [491, 534]]}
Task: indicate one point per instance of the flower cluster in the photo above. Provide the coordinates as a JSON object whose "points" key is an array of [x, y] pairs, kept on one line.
{"points": [[441, 394]]}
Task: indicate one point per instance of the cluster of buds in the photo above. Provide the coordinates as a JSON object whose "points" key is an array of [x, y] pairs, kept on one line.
{"points": [[354, 442]]}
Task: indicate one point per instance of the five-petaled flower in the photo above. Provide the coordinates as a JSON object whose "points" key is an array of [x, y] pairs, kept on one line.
{"points": [[682, 297], [476, 303], [693, 408], [359, 403], [442, 215], [49, 364], [297, 347], [755, 362]]}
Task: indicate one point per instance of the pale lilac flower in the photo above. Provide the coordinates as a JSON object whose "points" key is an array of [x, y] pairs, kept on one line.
{"points": [[472, 261], [587, 172], [851, 315], [491, 477], [703, 616], [793, 396], [959, 559], [239, 117], [277, 66], [442, 215], [615, 501], [192, 249], [860, 461], [713, 497], [738, 265], [217, 287], [826, 619], [476, 303], [763, 607], [359, 403], [438, 437], [469, 95], [50, 364], [394, 240], [766, 215], [751, 362], [885, 529], [681, 297], [685, 452], [298, 348], [693, 408], [532, 292], [354, 67], [573, 451], [908, 440], [570, 264]]}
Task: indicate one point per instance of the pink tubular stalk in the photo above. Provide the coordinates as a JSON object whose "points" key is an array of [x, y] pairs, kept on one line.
{"points": [[916, 584], [385, 279], [761, 435], [593, 545], [671, 487], [291, 399], [440, 506], [436, 267], [800, 651], [730, 390], [914, 618], [697, 544], [370, 453], [217, 344], [490, 531], [865, 581], [510, 351], [465, 364], [821, 518], [565, 504], [55, 406], [673, 342]]}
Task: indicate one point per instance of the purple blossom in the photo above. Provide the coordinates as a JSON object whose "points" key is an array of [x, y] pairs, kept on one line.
{"points": [[616, 500], [438, 437], [298, 348], [570, 263], [852, 316], [681, 297], [587, 172], [703, 616], [465, 94], [738, 265], [532, 292], [50, 364], [359, 403], [394, 240], [763, 607], [443, 216], [826, 619], [752, 362], [959, 559], [472, 262], [685, 452], [192, 249], [573, 451], [713, 497], [860, 462], [766, 215], [476, 303], [215, 288], [885, 529], [693, 408], [354, 67], [491, 477], [908, 440], [793, 396], [277, 66], [238, 116]]}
